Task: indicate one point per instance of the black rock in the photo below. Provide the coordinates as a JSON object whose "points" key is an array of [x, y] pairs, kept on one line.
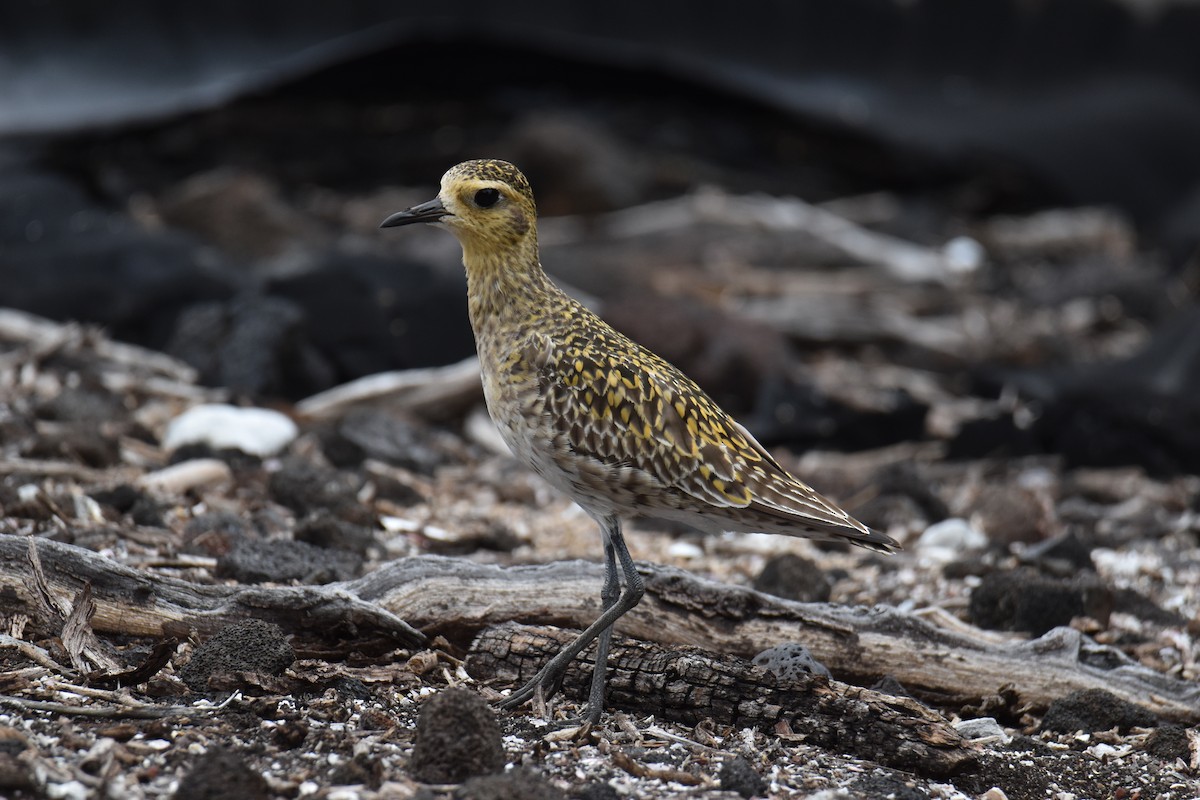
{"points": [[519, 784], [1063, 554], [68, 258], [888, 684], [1170, 742], [886, 786], [596, 791], [253, 344], [366, 314], [285, 560], [1140, 410], [1130, 601], [1023, 600], [221, 773], [239, 462], [121, 497], [324, 530], [369, 433], [992, 437], [82, 405], [457, 738], [738, 775], [148, 511], [803, 417], [794, 577], [307, 488], [215, 533], [249, 646], [1090, 710], [362, 769]]}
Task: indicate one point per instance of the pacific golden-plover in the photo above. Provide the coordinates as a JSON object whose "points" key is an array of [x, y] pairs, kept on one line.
{"points": [[601, 418]]}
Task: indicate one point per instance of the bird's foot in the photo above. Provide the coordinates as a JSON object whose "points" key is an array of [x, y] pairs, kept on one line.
{"points": [[543, 686]]}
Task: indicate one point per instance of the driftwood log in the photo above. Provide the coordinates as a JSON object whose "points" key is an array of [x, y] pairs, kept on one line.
{"points": [[131, 602], [456, 598], [459, 598], [689, 685]]}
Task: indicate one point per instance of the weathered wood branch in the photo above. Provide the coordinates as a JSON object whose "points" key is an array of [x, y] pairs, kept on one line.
{"points": [[689, 685], [434, 392], [459, 598], [454, 597], [136, 603]]}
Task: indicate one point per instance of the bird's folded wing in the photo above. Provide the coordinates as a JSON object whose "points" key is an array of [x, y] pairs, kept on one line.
{"points": [[622, 405]]}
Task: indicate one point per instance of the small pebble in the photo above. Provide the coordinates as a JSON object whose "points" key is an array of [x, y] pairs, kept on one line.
{"points": [[949, 539], [788, 660], [981, 728]]}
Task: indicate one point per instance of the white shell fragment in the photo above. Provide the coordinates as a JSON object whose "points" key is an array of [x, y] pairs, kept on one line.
{"points": [[254, 431]]}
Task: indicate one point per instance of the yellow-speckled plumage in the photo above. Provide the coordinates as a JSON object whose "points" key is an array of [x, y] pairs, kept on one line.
{"points": [[614, 426]]}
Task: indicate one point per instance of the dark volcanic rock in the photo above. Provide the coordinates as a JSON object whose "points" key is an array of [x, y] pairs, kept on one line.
{"points": [[1170, 742], [369, 314], [362, 769], [68, 258], [80, 442], [250, 646], [1139, 410], [120, 498], [219, 774], [1023, 600], [1091, 710], [307, 488], [148, 511], [82, 405], [253, 344], [794, 577], [16, 773], [1064, 554], [885, 786], [370, 433], [284, 560], [1130, 601], [324, 530], [738, 775], [215, 533], [596, 791], [519, 784], [889, 685], [457, 738]]}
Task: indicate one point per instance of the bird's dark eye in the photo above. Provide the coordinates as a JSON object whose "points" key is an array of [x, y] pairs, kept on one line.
{"points": [[486, 198]]}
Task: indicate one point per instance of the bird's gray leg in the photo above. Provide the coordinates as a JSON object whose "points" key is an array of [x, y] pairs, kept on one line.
{"points": [[608, 595], [549, 676]]}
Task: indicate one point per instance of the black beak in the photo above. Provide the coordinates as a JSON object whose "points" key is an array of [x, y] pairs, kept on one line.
{"points": [[425, 212]]}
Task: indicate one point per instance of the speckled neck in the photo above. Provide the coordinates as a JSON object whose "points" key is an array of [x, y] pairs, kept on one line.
{"points": [[507, 287]]}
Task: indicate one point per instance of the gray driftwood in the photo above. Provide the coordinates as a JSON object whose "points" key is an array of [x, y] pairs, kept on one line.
{"points": [[459, 598], [456, 598], [689, 685], [132, 602]]}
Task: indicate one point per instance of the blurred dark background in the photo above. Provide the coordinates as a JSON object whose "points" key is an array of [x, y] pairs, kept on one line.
{"points": [[205, 179]]}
